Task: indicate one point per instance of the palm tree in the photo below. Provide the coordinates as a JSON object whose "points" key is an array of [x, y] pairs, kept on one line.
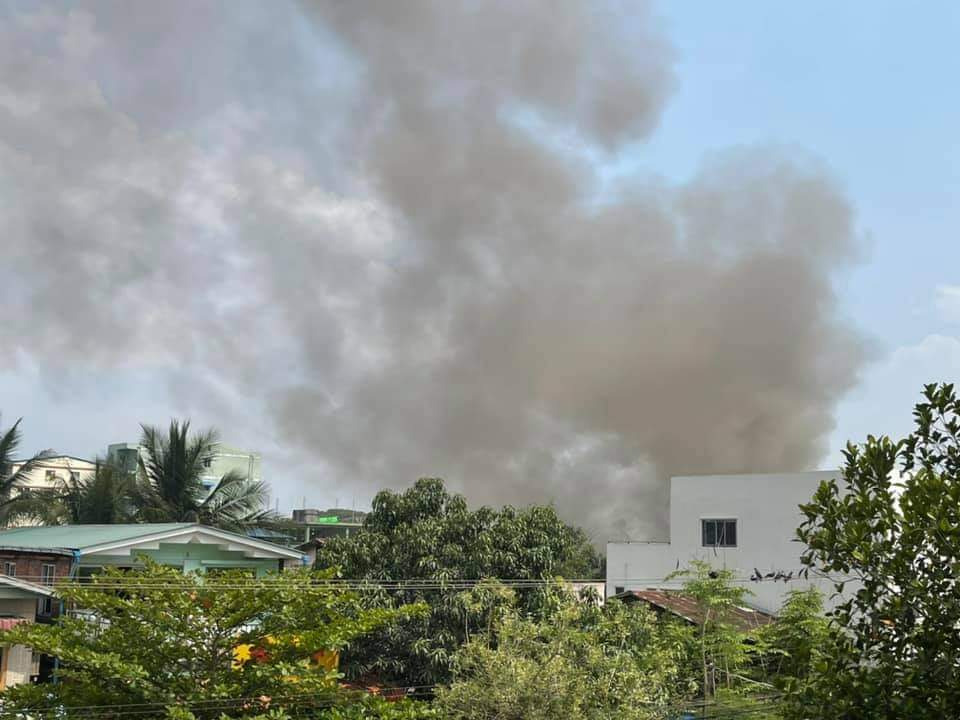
{"points": [[15, 502], [103, 498], [169, 486]]}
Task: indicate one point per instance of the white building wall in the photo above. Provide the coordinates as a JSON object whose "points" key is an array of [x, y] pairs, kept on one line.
{"points": [[47, 472], [766, 508]]}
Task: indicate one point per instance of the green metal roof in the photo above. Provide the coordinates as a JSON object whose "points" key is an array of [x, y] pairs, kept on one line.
{"points": [[78, 537]]}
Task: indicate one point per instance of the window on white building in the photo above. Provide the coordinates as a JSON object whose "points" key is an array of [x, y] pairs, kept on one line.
{"points": [[74, 476], [719, 533]]}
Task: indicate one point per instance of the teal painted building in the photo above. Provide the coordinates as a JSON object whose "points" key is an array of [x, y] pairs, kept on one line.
{"points": [[189, 546]]}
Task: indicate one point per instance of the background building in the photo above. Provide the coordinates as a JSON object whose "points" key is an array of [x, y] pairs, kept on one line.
{"points": [[746, 523], [46, 473], [308, 524], [225, 458]]}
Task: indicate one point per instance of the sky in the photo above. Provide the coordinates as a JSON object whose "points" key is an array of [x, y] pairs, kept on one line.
{"points": [[548, 256]]}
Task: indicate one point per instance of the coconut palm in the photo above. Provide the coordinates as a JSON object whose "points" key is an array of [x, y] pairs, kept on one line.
{"points": [[105, 497], [168, 487], [15, 502]]}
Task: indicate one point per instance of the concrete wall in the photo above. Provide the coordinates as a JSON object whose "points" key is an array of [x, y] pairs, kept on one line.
{"points": [[17, 665], [47, 472], [767, 514], [191, 557], [224, 459]]}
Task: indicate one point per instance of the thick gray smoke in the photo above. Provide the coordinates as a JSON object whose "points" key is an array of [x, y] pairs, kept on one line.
{"points": [[386, 230]]}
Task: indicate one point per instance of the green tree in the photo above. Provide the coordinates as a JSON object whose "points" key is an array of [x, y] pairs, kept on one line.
{"points": [[430, 540], [105, 497], [15, 503], [578, 661], [158, 637], [893, 530], [169, 487], [720, 644], [792, 645]]}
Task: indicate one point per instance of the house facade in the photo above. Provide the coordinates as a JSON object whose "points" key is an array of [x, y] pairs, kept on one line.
{"points": [[19, 603], [745, 523], [80, 550]]}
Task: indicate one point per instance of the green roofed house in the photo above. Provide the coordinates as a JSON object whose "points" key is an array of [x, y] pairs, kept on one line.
{"points": [[44, 554]]}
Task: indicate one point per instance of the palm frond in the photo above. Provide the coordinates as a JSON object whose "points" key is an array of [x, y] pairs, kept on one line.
{"points": [[235, 502], [169, 483]]}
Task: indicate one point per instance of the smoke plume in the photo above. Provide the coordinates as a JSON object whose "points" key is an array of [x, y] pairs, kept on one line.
{"points": [[386, 236]]}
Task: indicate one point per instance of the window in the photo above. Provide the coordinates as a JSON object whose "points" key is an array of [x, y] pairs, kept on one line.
{"points": [[618, 589], [719, 533], [10, 569], [47, 574], [51, 475], [207, 462], [74, 476]]}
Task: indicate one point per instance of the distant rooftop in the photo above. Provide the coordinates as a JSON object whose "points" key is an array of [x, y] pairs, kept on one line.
{"points": [[685, 607]]}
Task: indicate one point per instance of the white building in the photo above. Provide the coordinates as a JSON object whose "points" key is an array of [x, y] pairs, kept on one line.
{"points": [[746, 523], [48, 472]]}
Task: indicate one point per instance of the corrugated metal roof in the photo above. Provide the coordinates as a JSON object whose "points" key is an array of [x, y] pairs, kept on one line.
{"points": [[78, 537], [18, 584], [687, 608]]}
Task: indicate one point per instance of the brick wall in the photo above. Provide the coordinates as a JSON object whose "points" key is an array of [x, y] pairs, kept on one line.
{"points": [[30, 567], [29, 564]]}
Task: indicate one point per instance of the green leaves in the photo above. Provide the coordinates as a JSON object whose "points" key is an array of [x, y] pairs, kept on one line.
{"points": [[893, 527], [159, 636], [579, 661], [429, 534]]}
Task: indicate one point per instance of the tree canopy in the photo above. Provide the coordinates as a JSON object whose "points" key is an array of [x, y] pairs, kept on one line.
{"points": [[578, 660], [158, 637], [102, 498], [428, 534], [14, 502], [890, 534]]}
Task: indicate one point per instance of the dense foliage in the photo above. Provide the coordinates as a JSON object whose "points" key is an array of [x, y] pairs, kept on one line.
{"points": [[720, 645], [105, 497], [427, 536], [892, 532], [578, 661], [158, 637], [792, 646]]}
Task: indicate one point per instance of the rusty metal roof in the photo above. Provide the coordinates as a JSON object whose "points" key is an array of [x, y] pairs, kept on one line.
{"points": [[686, 607]]}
